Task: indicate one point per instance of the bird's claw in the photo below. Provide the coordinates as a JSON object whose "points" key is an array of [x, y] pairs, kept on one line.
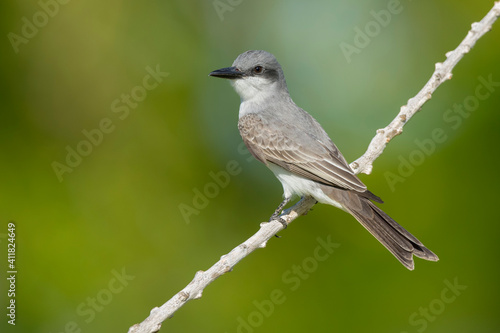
{"points": [[280, 220], [276, 217]]}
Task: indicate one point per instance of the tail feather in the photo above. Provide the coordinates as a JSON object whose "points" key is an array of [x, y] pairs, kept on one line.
{"points": [[419, 249], [394, 237]]}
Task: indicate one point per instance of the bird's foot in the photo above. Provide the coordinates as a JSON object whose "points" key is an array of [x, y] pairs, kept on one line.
{"points": [[276, 217], [277, 212]]}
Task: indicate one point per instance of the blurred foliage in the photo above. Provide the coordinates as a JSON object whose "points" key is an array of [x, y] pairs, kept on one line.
{"points": [[119, 207]]}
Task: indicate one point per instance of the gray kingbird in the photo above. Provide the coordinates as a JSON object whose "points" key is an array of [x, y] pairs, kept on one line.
{"points": [[299, 152]]}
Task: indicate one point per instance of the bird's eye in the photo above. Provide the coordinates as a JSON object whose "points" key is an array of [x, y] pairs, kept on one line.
{"points": [[258, 69]]}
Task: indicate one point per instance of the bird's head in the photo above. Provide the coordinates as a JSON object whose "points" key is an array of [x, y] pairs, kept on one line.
{"points": [[254, 74]]}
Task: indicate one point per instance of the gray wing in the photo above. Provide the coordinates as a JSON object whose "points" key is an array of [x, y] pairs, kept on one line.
{"points": [[298, 152]]}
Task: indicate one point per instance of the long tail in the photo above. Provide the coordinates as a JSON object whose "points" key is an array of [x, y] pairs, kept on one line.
{"points": [[394, 237]]}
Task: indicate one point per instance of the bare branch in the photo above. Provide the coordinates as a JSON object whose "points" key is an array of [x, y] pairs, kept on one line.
{"points": [[226, 263], [442, 73], [363, 164]]}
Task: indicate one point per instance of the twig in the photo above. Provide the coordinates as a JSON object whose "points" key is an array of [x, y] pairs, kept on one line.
{"points": [[363, 164], [226, 263]]}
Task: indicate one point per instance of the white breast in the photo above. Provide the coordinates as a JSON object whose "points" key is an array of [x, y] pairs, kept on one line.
{"points": [[297, 185]]}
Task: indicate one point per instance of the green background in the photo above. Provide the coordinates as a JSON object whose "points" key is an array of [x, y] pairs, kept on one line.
{"points": [[119, 207]]}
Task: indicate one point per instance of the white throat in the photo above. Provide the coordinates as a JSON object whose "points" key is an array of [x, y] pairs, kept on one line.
{"points": [[254, 91]]}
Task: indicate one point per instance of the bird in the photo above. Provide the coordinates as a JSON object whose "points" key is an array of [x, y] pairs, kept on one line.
{"points": [[290, 142]]}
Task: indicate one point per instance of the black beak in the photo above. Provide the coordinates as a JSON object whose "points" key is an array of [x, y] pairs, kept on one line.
{"points": [[231, 73]]}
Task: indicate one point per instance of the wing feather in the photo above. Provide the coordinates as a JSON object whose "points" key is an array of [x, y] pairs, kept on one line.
{"points": [[298, 152]]}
